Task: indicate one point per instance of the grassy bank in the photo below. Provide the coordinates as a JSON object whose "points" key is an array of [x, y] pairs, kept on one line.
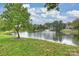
{"points": [[6, 32], [10, 46], [70, 31]]}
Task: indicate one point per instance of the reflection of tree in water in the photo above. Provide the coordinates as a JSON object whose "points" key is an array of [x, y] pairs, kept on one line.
{"points": [[57, 36]]}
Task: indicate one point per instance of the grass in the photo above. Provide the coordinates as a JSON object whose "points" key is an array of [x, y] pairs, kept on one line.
{"points": [[5, 32], [9, 46], [70, 31]]}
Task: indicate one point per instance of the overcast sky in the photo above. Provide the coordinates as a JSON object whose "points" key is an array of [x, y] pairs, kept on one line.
{"points": [[39, 14]]}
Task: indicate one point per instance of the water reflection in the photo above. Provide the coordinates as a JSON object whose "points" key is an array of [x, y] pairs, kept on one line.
{"points": [[51, 35], [57, 37], [54, 36]]}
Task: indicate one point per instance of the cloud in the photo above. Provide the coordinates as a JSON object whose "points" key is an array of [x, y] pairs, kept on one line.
{"points": [[74, 13], [41, 15], [26, 5], [56, 14], [53, 12], [61, 17], [44, 10]]}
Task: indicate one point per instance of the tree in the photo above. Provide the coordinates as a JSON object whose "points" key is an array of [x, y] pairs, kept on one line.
{"points": [[1, 24], [52, 6], [16, 17], [38, 27], [58, 26], [75, 23]]}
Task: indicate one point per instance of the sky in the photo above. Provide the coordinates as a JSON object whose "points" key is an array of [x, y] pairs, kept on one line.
{"points": [[39, 14]]}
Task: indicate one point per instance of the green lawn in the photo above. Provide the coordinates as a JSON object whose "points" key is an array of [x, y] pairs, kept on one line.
{"points": [[10, 46], [70, 31]]}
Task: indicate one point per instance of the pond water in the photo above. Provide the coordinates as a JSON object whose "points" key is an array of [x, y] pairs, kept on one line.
{"points": [[51, 36]]}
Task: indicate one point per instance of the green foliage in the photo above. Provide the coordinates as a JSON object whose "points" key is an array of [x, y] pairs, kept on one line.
{"points": [[16, 17], [48, 25], [58, 26], [2, 24], [75, 24], [52, 6], [37, 27], [5, 32], [70, 31]]}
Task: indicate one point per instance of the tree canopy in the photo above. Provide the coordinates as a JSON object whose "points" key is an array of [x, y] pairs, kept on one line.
{"points": [[52, 6], [16, 17], [75, 23], [58, 26]]}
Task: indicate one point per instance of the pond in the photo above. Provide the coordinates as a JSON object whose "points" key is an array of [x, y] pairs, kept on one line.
{"points": [[51, 36]]}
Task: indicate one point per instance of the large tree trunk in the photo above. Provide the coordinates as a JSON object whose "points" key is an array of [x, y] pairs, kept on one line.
{"points": [[17, 31], [18, 34]]}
